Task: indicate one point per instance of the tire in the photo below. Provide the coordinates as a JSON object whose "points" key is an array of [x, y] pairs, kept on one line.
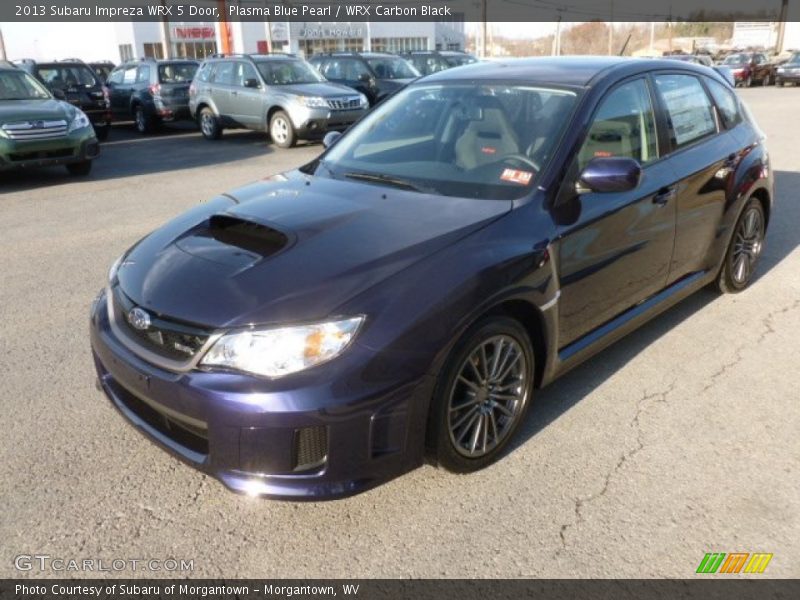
{"points": [[209, 124], [80, 169], [144, 122], [767, 80], [474, 417], [779, 83], [746, 246], [281, 130], [102, 131], [748, 82]]}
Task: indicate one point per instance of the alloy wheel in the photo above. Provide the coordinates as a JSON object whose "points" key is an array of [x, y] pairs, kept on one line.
{"points": [[207, 124], [747, 246], [279, 130], [488, 396]]}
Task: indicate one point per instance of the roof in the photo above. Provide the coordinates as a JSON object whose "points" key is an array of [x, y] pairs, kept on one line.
{"points": [[558, 70]]}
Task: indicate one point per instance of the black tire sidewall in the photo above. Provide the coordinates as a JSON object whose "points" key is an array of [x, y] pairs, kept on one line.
{"points": [[439, 442], [727, 283]]}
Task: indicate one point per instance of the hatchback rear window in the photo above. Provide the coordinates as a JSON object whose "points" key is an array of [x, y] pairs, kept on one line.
{"points": [[176, 72]]}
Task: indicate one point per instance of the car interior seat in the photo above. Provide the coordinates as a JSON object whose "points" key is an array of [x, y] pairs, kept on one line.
{"points": [[487, 137]]}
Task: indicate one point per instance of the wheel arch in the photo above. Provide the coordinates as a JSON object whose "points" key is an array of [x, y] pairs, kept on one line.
{"points": [[762, 195]]}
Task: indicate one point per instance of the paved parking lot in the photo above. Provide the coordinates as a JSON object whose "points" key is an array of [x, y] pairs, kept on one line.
{"points": [[681, 439]]}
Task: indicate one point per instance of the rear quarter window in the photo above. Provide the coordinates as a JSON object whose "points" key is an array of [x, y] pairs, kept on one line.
{"points": [[690, 114], [727, 103]]}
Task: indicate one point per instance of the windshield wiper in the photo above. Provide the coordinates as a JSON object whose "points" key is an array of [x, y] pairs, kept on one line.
{"points": [[385, 179]]}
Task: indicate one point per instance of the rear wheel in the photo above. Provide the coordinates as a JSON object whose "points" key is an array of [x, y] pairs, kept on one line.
{"points": [[281, 130], [144, 123], [102, 131], [767, 80], [209, 124], [748, 81], [80, 169], [482, 395], [744, 250]]}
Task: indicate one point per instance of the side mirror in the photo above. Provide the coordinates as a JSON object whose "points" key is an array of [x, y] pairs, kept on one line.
{"points": [[59, 94], [331, 138], [251, 83], [609, 174], [365, 78]]}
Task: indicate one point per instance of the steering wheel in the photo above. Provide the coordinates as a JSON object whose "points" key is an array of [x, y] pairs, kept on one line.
{"points": [[521, 158]]}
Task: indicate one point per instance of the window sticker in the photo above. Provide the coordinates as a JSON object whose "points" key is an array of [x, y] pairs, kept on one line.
{"points": [[514, 176]]}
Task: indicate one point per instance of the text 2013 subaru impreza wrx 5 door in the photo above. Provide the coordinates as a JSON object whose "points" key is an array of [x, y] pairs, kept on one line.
{"points": [[403, 295]]}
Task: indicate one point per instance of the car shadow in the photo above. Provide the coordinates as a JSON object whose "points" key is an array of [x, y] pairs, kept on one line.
{"points": [[126, 153], [783, 237]]}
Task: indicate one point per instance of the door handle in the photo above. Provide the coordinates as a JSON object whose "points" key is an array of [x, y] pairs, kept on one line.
{"points": [[664, 195]]}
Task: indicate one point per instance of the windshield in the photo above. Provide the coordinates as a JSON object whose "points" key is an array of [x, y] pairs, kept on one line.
{"points": [[480, 141], [65, 76], [458, 60], [794, 58], [16, 85], [288, 72], [737, 59], [176, 72], [392, 67]]}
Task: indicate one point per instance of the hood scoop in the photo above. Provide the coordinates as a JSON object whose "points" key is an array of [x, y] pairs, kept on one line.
{"points": [[232, 240]]}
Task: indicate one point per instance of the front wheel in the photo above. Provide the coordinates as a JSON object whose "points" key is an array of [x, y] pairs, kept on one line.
{"points": [[281, 130], [748, 82], [744, 250], [767, 80], [482, 395], [80, 169]]}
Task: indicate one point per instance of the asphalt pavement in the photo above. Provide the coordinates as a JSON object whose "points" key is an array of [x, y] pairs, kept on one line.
{"points": [[682, 439]]}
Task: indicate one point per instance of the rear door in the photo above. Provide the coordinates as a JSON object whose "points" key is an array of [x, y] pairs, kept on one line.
{"points": [[614, 248], [247, 102], [702, 157], [120, 86], [221, 87]]}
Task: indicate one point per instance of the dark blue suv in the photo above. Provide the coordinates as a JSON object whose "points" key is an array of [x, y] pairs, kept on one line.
{"points": [[403, 296]]}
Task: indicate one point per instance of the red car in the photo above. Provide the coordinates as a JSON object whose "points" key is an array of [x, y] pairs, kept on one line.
{"points": [[750, 67]]}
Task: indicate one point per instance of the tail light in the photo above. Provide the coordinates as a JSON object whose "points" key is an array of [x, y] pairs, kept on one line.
{"points": [[192, 89], [155, 89]]}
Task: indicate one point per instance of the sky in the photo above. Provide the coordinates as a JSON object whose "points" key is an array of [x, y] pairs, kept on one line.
{"points": [[96, 41]]}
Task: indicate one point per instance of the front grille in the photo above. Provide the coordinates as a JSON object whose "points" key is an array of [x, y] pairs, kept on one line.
{"points": [[35, 130], [188, 435], [43, 154], [171, 339], [349, 103], [310, 448]]}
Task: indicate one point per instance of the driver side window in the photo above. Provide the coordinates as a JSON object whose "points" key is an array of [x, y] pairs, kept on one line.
{"points": [[624, 125]]}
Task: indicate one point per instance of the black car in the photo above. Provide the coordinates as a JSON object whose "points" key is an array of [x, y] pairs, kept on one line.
{"points": [[432, 61], [404, 294], [151, 91], [789, 71], [74, 81], [374, 74]]}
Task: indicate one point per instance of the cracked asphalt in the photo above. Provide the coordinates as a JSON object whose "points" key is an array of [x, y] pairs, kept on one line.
{"points": [[682, 439]]}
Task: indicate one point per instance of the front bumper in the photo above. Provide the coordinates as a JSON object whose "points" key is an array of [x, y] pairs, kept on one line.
{"points": [[314, 123], [316, 440], [73, 148]]}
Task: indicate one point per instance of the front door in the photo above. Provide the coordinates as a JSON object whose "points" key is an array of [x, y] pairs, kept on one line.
{"points": [[614, 249]]}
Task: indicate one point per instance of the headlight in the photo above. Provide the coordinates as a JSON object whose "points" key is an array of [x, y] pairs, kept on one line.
{"points": [[112, 272], [313, 101], [362, 99], [279, 352], [79, 122]]}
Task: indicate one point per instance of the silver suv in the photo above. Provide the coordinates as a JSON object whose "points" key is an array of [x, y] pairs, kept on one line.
{"points": [[278, 93]]}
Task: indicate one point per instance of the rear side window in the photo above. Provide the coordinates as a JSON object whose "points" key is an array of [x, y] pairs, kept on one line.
{"points": [[130, 75], [726, 102], [67, 76], [623, 126], [690, 116], [144, 74], [116, 76], [223, 73], [204, 72]]}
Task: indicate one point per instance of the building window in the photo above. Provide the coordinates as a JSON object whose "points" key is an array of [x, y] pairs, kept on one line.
{"points": [[154, 51], [198, 50], [399, 44], [125, 52]]}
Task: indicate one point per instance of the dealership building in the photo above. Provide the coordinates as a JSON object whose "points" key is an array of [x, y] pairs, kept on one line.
{"points": [[199, 39]]}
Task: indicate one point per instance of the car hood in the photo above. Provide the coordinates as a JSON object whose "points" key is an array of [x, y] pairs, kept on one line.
{"points": [[34, 110], [292, 250], [324, 89]]}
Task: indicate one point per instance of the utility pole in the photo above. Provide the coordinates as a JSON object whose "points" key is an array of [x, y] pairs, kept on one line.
{"points": [[652, 36], [165, 39], [611, 31], [484, 32], [781, 26], [557, 37], [2, 46]]}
